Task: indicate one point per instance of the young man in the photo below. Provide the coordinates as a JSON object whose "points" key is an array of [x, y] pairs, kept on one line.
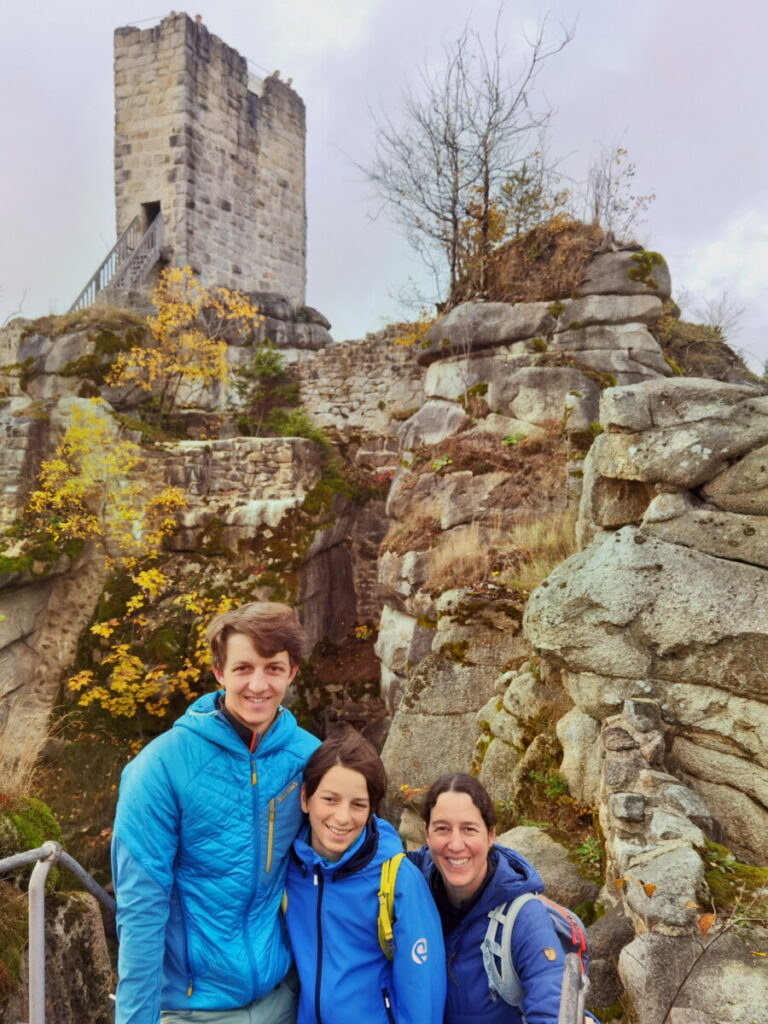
{"points": [[205, 819]]}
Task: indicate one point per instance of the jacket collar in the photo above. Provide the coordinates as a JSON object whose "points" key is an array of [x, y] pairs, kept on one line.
{"points": [[357, 857], [208, 720]]}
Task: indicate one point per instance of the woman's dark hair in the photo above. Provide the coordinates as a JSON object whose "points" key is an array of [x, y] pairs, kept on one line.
{"points": [[351, 750], [460, 783]]}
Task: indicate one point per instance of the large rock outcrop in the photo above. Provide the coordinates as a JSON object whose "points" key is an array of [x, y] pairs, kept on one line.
{"points": [[498, 375], [674, 605]]}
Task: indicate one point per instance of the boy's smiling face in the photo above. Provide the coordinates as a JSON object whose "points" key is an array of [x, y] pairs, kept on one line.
{"points": [[254, 686]]}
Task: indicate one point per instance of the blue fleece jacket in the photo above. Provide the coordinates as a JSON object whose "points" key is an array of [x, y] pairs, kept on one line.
{"points": [[332, 917], [469, 998], [199, 851]]}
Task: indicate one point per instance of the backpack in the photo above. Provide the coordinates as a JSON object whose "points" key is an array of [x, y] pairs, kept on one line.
{"points": [[503, 979], [387, 904]]}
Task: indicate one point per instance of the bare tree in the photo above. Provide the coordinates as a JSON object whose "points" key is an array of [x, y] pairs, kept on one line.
{"points": [[721, 313], [440, 166], [14, 312], [609, 198]]}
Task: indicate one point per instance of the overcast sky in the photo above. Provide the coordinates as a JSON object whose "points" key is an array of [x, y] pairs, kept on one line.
{"points": [[682, 84]]}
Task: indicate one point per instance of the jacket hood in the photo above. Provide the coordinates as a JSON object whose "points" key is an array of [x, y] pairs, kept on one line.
{"points": [[514, 874], [204, 718], [379, 842]]}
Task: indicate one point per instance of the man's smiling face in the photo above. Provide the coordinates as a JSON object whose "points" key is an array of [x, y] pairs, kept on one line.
{"points": [[254, 686]]}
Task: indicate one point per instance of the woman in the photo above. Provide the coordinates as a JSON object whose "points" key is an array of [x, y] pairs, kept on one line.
{"points": [[332, 911], [469, 875]]}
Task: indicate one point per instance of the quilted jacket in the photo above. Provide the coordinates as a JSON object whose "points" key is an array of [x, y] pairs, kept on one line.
{"points": [[199, 853]]}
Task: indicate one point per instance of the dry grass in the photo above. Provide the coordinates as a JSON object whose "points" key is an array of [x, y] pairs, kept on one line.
{"points": [[90, 318], [535, 468], [547, 262], [699, 351], [19, 750], [417, 534], [464, 557], [516, 550], [541, 544]]}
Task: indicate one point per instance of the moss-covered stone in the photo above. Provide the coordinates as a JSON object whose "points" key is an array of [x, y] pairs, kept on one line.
{"points": [[733, 885], [25, 824], [13, 938], [456, 651]]}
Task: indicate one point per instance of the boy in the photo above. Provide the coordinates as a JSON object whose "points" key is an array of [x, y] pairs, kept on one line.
{"points": [[205, 819]]}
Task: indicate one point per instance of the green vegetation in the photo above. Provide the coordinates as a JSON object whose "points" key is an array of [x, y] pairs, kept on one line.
{"points": [[644, 261], [736, 889], [267, 392]]}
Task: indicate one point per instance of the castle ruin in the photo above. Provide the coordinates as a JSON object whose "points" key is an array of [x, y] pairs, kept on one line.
{"points": [[209, 166]]}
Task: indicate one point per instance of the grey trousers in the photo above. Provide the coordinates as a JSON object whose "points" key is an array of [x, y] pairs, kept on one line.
{"points": [[277, 1007]]}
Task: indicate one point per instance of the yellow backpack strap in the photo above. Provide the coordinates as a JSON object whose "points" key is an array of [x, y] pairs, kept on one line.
{"points": [[387, 903]]}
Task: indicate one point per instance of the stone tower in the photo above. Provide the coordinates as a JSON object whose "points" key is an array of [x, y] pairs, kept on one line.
{"points": [[218, 153]]}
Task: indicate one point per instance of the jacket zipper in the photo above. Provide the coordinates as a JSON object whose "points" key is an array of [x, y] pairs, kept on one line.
{"points": [[318, 881], [387, 1006], [255, 833], [270, 834], [187, 964]]}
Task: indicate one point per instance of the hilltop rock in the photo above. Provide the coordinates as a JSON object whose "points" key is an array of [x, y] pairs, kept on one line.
{"points": [[616, 273]]}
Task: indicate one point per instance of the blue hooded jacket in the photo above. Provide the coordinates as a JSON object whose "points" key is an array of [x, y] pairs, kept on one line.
{"points": [[199, 852], [469, 999], [332, 917]]}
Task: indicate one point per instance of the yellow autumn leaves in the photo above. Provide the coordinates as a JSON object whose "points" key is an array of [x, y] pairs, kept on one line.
{"points": [[188, 331], [99, 487]]}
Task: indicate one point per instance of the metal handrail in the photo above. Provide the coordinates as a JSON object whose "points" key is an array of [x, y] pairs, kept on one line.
{"points": [[119, 254], [46, 856], [127, 264], [142, 259]]}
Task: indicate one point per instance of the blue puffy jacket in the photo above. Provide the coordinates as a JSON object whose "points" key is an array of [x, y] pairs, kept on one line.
{"points": [[469, 999], [199, 853], [332, 917]]}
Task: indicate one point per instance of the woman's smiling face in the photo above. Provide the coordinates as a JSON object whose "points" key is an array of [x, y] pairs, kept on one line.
{"points": [[338, 811], [459, 841]]}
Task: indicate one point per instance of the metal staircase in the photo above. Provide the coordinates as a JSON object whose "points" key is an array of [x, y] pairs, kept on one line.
{"points": [[127, 264]]}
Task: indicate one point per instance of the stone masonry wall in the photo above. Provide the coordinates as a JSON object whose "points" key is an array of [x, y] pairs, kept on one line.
{"points": [[226, 164], [369, 385]]}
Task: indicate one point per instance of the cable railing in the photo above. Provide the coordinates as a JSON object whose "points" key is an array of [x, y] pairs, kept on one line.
{"points": [[46, 856]]}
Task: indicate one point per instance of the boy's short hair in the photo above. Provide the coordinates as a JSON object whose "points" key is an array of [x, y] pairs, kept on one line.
{"points": [[273, 627], [350, 749]]}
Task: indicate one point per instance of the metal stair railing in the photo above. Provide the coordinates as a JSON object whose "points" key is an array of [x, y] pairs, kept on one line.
{"points": [[47, 855], [115, 258], [144, 256], [127, 263]]}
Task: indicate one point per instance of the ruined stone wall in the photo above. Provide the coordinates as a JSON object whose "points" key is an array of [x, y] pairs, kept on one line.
{"points": [[225, 163], [369, 385], [241, 482]]}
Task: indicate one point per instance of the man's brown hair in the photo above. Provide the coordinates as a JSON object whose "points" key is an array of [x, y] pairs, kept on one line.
{"points": [[272, 627]]}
